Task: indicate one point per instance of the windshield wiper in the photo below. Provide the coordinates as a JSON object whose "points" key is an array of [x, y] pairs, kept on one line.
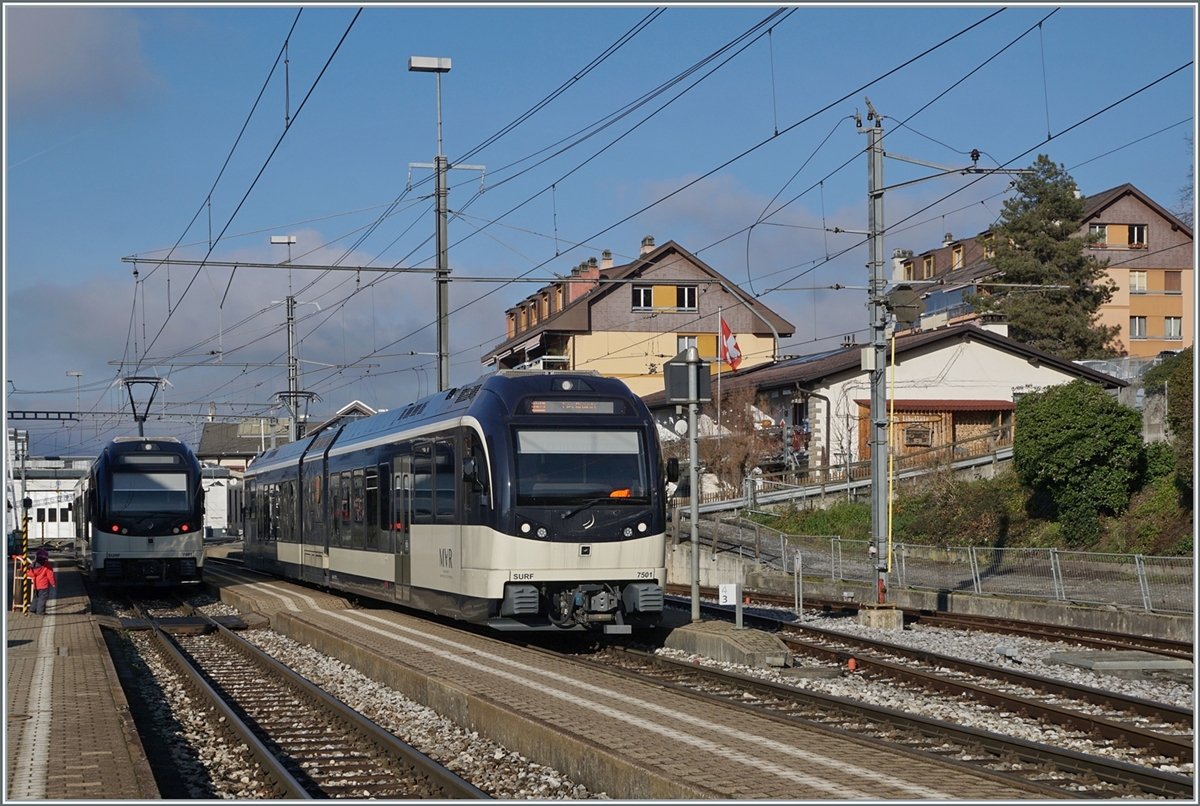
{"points": [[582, 507]]}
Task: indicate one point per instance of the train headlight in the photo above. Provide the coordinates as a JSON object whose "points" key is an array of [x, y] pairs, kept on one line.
{"points": [[627, 531], [542, 533], [525, 528], [642, 527]]}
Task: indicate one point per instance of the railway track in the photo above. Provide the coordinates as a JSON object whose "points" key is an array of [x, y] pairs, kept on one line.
{"points": [[1060, 772], [308, 744], [1149, 726], [1092, 639]]}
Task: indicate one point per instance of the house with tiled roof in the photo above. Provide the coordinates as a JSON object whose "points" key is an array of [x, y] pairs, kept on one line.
{"points": [[1150, 258], [947, 385], [626, 321]]}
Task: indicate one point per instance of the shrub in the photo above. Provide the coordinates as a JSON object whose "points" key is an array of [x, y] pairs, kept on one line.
{"points": [[1160, 461], [1082, 450]]}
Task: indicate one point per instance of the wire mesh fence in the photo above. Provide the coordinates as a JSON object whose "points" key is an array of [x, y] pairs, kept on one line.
{"points": [[1159, 584]]}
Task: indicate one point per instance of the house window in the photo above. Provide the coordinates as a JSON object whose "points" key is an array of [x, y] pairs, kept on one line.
{"points": [[927, 267], [643, 297], [989, 250], [1100, 233], [64, 515], [545, 305], [1173, 328], [909, 271], [1137, 327], [1173, 282], [685, 297], [1137, 236], [1137, 282], [956, 258], [684, 342]]}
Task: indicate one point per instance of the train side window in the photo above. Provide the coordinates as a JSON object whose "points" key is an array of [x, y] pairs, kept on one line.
{"points": [[359, 495], [383, 473], [445, 481], [371, 508], [346, 494], [422, 507], [333, 494]]}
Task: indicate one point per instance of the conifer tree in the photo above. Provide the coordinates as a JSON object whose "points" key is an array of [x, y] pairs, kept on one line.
{"points": [[1033, 245]]}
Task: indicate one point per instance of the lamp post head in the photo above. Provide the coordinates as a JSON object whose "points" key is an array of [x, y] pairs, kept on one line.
{"points": [[428, 64], [283, 239]]}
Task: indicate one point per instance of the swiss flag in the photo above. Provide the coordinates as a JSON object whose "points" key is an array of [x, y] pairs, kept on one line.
{"points": [[730, 354]]}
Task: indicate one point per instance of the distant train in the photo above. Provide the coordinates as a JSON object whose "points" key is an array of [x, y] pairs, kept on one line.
{"points": [[526, 500], [140, 514]]}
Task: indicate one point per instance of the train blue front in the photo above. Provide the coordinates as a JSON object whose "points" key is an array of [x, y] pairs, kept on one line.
{"points": [[527, 500]]}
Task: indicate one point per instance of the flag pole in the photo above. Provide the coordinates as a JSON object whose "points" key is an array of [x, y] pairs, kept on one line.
{"points": [[720, 356]]}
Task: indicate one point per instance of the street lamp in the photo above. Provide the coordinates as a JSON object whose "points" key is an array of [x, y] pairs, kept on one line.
{"points": [[76, 374], [438, 65]]}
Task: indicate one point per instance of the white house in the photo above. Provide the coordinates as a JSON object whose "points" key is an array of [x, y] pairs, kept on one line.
{"points": [[947, 385]]}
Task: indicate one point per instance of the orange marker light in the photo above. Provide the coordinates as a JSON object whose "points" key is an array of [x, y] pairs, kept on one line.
{"points": [[620, 493]]}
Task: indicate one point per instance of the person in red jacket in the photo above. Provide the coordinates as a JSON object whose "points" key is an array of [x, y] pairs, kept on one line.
{"points": [[42, 576]]}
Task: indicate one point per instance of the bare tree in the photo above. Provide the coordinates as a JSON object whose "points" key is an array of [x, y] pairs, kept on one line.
{"points": [[740, 446], [1186, 211]]}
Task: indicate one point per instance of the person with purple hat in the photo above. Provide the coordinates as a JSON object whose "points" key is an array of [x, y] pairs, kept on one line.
{"points": [[42, 576]]}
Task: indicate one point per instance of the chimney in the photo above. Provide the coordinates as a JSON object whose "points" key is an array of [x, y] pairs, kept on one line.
{"points": [[849, 341], [994, 322], [606, 259], [588, 270], [647, 245], [948, 239]]}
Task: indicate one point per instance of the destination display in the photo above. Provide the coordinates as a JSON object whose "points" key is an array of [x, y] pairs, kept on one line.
{"points": [[573, 407]]}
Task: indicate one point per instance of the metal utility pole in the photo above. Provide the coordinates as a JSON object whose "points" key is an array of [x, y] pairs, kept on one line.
{"points": [[687, 380], [441, 166], [906, 306], [293, 374], [874, 358]]}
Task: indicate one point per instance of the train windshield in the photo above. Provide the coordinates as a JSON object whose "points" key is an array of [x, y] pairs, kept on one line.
{"points": [[567, 466], [149, 492]]}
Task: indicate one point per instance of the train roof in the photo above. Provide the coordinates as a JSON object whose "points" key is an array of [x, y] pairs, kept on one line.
{"points": [[508, 386]]}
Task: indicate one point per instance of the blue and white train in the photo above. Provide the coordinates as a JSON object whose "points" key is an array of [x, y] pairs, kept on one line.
{"points": [[139, 514], [526, 500]]}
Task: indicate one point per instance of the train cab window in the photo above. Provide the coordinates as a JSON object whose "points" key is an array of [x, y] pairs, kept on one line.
{"points": [[149, 492], [564, 466]]}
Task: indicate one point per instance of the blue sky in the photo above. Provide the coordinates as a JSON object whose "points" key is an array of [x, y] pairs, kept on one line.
{"points": [[729, 131]]}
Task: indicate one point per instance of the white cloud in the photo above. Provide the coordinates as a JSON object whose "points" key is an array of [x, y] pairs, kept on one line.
{"points": [[63, 59]]}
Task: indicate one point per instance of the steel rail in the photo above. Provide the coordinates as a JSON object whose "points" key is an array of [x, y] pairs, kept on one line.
{"points": [[1070, 761], [277, 775], [450, 785]]}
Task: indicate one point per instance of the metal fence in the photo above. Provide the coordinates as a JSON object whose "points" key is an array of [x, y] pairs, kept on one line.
{"points": [[1158, 584]]}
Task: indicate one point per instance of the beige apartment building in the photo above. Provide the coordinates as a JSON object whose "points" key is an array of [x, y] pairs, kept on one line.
{"points": [[627, 321]]}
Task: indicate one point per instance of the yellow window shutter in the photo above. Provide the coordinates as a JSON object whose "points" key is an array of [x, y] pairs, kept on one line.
{"points": [[664, 296]]}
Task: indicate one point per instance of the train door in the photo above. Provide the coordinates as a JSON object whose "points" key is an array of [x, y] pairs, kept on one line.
{"points": [[401, 525], [311, 534]]}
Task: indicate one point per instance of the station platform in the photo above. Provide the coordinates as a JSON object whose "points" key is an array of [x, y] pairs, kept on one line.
{"points": [[69, 733]]}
